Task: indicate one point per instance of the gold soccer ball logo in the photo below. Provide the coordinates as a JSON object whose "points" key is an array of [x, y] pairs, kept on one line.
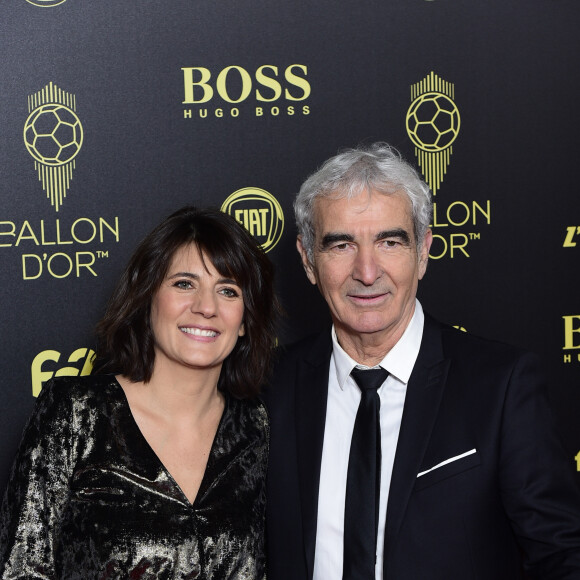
{"points": [[433, 121], [53, 134]]}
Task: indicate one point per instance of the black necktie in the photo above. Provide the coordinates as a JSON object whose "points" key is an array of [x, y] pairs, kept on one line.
{"points": [[361, 513]]}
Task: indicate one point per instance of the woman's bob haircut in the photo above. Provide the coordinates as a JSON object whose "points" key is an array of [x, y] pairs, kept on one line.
{"points": [[125, 341]]}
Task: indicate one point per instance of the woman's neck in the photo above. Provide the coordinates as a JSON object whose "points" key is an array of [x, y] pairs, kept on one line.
{"points": [[181, 392]]}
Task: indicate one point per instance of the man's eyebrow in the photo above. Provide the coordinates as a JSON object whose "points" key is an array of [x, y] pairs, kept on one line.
{"points": [[333, 238], [338, 237], [400, 233]]}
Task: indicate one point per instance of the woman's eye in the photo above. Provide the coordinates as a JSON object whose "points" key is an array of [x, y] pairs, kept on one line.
{"points": [[183, 284], [229, 292]]}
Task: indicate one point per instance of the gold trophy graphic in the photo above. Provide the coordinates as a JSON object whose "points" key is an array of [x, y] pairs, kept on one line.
{"points": [[433, 124], [53, 135]]}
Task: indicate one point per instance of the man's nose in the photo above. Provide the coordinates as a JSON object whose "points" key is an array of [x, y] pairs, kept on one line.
{"points": [[366, 268]]}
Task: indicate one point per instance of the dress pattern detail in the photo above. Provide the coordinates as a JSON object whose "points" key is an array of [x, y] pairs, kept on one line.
{"points": [[89, 499]]}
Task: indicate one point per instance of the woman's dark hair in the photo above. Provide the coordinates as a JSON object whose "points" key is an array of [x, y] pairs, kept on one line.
{"points": [[125, 341]]}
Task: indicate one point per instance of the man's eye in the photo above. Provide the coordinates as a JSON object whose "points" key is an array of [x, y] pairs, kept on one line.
{"points": [[391, 243], [341, 247]]}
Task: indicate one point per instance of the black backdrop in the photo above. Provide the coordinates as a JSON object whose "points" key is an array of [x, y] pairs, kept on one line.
{"points": [[113, 114]]}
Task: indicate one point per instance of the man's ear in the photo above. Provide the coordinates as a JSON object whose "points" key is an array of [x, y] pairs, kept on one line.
{"points": [[308, 267], [424, 253]]}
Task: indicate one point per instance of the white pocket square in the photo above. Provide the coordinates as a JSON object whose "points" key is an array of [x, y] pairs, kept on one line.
{"points": [[450, 460]]}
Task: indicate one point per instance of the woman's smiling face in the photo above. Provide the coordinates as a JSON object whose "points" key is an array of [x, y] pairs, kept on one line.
{"points": [[196, 314]]}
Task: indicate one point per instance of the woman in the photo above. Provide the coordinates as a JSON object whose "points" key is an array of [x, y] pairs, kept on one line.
{"points": [[155, 466]]}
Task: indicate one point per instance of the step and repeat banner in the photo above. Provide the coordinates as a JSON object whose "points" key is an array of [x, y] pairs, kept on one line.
{"points": [[114, 114]]}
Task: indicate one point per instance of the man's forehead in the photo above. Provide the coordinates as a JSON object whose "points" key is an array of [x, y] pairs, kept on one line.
{"points": [[344, 210]]}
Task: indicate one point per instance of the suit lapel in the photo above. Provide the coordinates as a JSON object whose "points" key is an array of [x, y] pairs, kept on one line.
{"points": [[311, 400], [422, 401]]}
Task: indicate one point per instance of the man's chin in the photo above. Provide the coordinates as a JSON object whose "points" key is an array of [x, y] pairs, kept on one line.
{"points": [[365, 327]]}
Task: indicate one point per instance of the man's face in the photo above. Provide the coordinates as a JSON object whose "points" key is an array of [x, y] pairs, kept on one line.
{"points": [[366, 265]]}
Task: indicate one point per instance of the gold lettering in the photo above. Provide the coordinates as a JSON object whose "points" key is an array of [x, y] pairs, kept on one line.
{"points": [[92, 226], [486, 214], [571, 231], [239, 216], [570, 331], [254, 223], [38, 375], [22, 236], [42, 237], [461, 205], [76, 356], [246, 84], [268, 82], [58, 240], [264, 216], [11, 232], [436, 224], [113, 229], [297, 81], [87, 265], [25, 275], [189, 84], [459, 246], [67, 259]]}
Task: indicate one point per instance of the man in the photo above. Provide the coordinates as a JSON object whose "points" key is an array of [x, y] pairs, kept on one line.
{"points": [[465, 477]]}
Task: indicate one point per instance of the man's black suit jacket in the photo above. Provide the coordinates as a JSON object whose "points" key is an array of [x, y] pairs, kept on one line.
{"points": [[512, 501]]}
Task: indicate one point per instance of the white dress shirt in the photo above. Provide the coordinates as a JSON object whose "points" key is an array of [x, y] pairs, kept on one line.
{"points": [[343, 401]]}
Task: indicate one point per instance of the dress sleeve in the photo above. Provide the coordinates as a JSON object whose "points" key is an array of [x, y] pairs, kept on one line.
{"points": [[38, 489]]}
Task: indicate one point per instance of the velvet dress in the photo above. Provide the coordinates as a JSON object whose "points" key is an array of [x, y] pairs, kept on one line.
{"points": [[89, 499]]}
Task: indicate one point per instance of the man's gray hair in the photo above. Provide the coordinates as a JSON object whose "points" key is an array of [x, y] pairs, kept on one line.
{"points": [[378, 167]]}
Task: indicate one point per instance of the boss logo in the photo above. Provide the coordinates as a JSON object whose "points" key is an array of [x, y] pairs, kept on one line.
{"points": [[234, 84]]}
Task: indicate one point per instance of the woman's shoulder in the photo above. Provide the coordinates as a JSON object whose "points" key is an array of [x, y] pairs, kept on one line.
{"points": [[79, 389], [66, 405], [252, 406], [250, 411]]}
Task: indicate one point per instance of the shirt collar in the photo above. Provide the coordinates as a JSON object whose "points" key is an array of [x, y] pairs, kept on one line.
{"points": [[399, 361]]}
